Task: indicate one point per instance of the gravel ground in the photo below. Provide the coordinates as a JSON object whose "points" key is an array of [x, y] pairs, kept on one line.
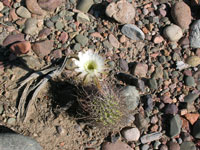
{"points": [[152, 50]]}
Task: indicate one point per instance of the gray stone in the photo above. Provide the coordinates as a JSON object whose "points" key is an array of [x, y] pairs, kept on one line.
{"points": [[156, 144], [133, 32], [59, 25], [83, 40], [189, 81], [173, 33], [49, 24], [11, 121], [1, 109], [83, 18], [132, 134], [85, 5], [173, 146], [196, 129], [132, 97], [162, 59], [175, 126], [107, 44], [171, 109], [164, 147], [17, 142], [145, 147], [123, 65], [77, 47], [153, 84], [188, 146], [23, 12], [141, 122], [151, 137], [191, 97], [31, 26], [195, 34]]}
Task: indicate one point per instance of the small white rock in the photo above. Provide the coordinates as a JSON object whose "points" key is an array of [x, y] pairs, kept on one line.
{"points": [[1, 6], [132, 134], [173, 33]]}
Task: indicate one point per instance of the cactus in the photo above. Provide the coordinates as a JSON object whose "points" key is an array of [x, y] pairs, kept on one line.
{"points": [[104, 106]]}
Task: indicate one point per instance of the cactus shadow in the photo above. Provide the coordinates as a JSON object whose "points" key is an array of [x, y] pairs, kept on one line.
{"points": [[66, 98]]}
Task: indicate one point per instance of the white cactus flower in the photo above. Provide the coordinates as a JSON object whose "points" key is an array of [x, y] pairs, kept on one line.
{"points": [[89, 65]]}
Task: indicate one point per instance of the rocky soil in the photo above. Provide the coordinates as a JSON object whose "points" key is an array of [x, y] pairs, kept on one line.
{"points": [[152, 49]]}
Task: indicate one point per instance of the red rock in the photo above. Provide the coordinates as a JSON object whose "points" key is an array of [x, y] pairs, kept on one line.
{"points": [[166, 99], [158, 39], [57, 53], [63, 37], [49, 5], [185, 124], [13, 38], [162, 12], [6, 3], [21, 22], [181, 14], [113, 41], [42, 48], [97, 35], [122, 39], [187, 72], [33, 7], [12, 15], [192, 118], [21, 47], [116, 146], [140, 70], [122, 11], [184, 41], [44, 33]]}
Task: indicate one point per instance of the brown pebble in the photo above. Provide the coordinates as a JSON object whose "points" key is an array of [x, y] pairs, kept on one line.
{"points": [[42, 48], [57, 53], [181, 14], [13, 38], [63, 37], [21, 47], [140, 70], [122, 39], [49, 5], [12, 15], [173, 146], [113, 41], [44, 33], [33, 7], [122, 11], [158, 39], [192, 118]]}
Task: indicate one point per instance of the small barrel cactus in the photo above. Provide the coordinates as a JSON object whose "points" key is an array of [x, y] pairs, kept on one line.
{"points": [[104, 106]]}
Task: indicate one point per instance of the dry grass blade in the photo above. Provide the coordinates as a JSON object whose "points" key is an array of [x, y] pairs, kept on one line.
{"points": [[49, 73]]}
